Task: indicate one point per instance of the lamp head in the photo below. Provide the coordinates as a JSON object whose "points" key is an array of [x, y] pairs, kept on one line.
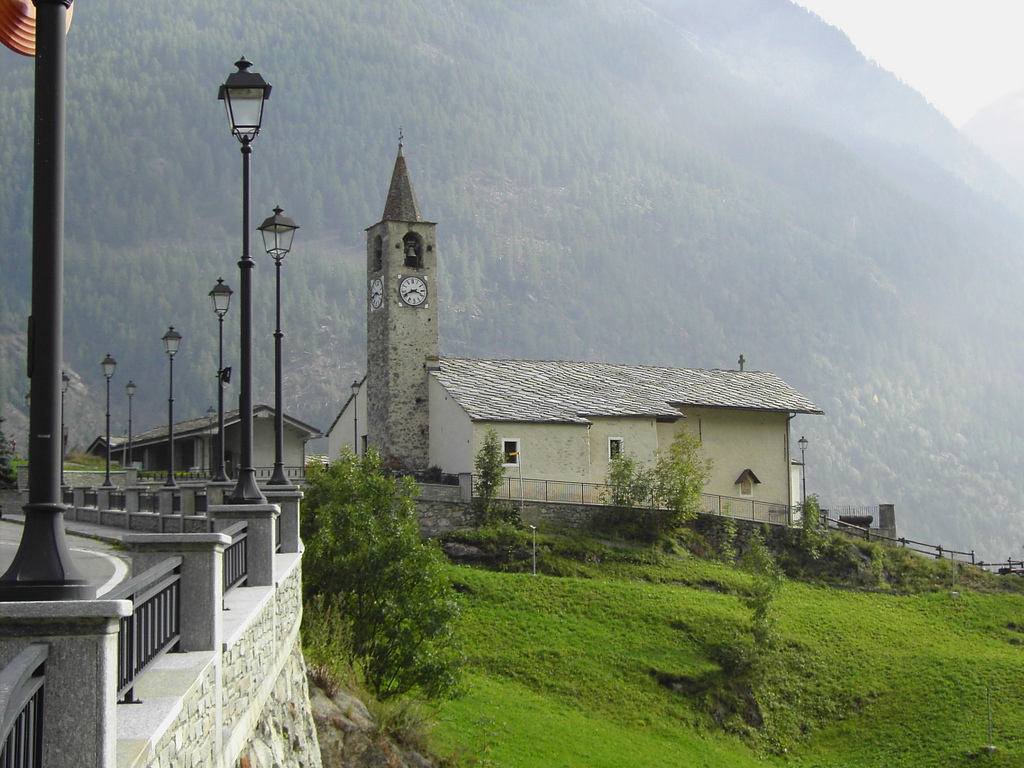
{"points": [[130, 388], [171, 341], [277, 231], [802, 442], [108, 365], [65, 382], [243, 94], [221, 295]]}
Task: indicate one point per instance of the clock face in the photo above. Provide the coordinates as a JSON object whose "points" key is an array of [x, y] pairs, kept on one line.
{"points": [[413, 290], [376, 293]]}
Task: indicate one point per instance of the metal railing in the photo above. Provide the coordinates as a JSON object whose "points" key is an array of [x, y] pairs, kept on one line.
{"points": [[154, 626], [565, 492], [292, 473], [22, 683], [116, 500], [91, 498], [236, 556], [148, 502]]}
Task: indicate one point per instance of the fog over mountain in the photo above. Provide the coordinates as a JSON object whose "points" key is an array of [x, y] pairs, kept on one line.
{"points": [[672, 182]]}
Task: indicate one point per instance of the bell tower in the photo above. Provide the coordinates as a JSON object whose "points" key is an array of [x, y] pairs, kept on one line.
{"points": [[401, 326]]}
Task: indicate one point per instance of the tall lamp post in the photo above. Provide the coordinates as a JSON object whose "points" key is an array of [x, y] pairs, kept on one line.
{"points": [[355, 417], [278, 231], [130, 389], [802, 442], [43, 567], [211, 414], [65, 381], [243, 94], [108, 365], [221, 295], [171, 341]]}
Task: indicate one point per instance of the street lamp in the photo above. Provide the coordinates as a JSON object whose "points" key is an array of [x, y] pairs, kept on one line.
{"points": [[108, 365], [802, 442], [43, 567], [221, 295], [278, 231], [355, 417], [171, 340], [130, 389], [243, 94], [64, 383]]}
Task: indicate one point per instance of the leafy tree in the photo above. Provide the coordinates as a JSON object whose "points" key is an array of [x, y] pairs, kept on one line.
{"points": [[8, 475], [630, 484], [767, 578], [365, 557], [490, 474], [681, 474]]}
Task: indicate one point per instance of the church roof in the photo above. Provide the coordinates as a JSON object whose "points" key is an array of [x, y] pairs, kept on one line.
{"points": [[568, 392], [401, 203]]}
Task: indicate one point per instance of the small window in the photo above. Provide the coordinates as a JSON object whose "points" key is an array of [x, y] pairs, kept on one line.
{"points": [[615, 447], [511, 450]]}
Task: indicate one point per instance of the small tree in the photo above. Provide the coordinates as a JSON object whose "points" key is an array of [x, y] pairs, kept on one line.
{"points": [[365, 557], [489, 465], [8, 474], [681, 474], [630, 484]]}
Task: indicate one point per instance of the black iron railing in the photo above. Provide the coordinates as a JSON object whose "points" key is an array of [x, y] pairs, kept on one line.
{"points": [[154, 626], [563, 492], [91, 498], [116, 502], [202, 503], [292, 473], [21, 708], [236, 556], [67, 495], [148, 502]]}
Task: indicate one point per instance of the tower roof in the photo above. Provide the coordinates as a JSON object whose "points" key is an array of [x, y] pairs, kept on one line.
{"points": [[401, 203]]}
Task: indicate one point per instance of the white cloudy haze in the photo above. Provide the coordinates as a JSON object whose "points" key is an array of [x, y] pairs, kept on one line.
{"points": [[960, 54]]}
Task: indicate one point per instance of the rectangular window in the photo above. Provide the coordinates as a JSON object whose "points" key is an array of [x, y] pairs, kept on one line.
{"points": [[511, 450], [615, 447]]}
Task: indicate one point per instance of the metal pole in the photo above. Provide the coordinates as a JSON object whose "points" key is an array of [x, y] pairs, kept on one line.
{"points": [[219, 475], [170, 425], [43, 568], [129, 462], [106, 482], [246, 491], [278, 478]]}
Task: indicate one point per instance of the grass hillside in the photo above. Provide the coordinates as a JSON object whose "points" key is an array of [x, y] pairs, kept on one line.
{"points": [[631, 657]]}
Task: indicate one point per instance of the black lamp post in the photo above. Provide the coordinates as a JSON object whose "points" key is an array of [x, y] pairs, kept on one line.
{"points": [[355, 418], [64, 383], [221, 295], [243, 94], [278, 231], [43, 567], [108, 365], [171, 341], [130, 389], [802, 442]]}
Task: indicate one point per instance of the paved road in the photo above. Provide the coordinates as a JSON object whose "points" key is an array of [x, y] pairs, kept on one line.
{"points": [[102, 564]]}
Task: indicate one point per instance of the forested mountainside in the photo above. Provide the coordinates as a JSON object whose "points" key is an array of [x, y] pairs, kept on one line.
{"points": [[671, 182]]}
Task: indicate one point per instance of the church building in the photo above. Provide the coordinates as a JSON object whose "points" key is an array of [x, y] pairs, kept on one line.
{"points": [[556, 420]]}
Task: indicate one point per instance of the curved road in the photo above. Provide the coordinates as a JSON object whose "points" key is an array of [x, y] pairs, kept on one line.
{"points": [[102, 564]]}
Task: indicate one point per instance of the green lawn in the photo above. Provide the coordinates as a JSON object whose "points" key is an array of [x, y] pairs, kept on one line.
{"points": [[564, 671]]}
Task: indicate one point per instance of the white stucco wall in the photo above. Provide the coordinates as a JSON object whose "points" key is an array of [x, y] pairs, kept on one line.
{"points": [[736, 440], [343, 430], [639, 436], [451, 432]]}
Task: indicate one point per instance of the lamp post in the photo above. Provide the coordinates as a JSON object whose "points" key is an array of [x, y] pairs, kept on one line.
{"points": [[171, 340], [108, 365], [243, 94], [802, 442], [43, 567], [355, 417], [130, 389], [278, 231], [221, 295], [64, 383]]}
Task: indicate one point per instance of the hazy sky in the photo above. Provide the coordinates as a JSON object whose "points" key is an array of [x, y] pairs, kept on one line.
{"points": [[960, 54]]}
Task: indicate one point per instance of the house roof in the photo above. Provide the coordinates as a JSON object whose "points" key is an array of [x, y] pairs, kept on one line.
{"points": [[569, 392], [203, 425]]}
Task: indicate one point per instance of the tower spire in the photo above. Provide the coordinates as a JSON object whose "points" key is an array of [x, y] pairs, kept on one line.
{"points": [[401, 202]]}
